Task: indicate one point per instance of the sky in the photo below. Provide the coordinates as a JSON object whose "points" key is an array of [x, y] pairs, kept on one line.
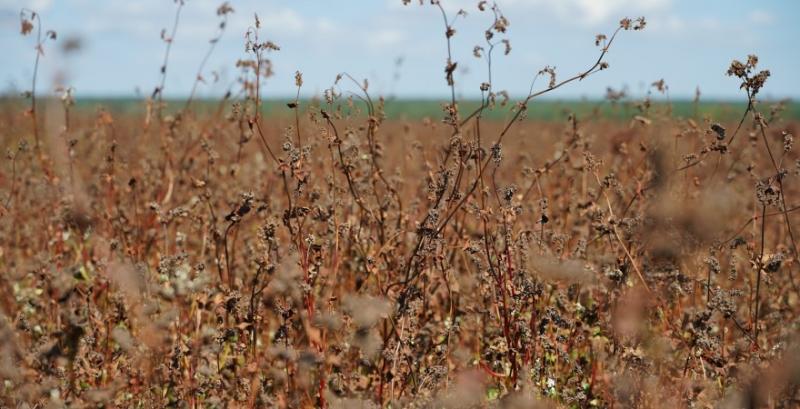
{"points": [[401, 49]]}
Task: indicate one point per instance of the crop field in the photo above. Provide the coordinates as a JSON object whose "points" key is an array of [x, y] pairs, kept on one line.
{"points": [[421, 109], [356, 251]]}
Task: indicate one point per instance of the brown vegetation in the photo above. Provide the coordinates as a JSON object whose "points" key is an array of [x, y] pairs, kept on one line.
{"points": [[338, 259]]}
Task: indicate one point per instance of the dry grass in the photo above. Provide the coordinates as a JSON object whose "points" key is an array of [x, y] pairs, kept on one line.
{"points": [[337, 259]]}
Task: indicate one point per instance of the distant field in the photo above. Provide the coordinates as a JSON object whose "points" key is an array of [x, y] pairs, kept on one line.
{"points": [[547, 110]]}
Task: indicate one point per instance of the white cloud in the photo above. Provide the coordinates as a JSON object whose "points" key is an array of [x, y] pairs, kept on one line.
{"points": [[146, 18], [586, 12], [761, 17], [16, 5], [598, 11], [595, 12], [385, 38], [283, 20]]}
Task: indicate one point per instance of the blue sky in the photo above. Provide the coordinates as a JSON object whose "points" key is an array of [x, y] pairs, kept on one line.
{"points": [[687, 43]]}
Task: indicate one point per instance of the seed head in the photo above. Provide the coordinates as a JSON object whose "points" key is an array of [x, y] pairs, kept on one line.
{"points": [[27, 26], [788, 141], [719, 130]]}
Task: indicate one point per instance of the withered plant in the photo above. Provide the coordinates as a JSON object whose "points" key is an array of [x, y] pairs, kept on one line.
{"points": [[333, 256]]}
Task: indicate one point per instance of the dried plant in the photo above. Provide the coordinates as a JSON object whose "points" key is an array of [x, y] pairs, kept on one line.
{"points": [[349, 259], [30, 20]]}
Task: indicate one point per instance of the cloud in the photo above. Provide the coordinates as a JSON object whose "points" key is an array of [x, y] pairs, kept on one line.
{"points": [[760, 17], [584, 12], [596, 12], [9, 11], [146, 18], [283, 20], [16, 5], [385, 38]]}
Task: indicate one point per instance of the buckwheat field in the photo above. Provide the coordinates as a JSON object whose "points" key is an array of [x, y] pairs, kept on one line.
{"points": [[248, 252]]}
